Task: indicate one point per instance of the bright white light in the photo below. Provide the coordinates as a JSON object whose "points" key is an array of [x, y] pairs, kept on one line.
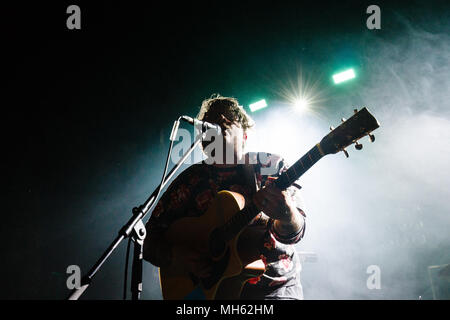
{"points": [[344, 76], [301, 104], [302, 95], [258, 105]]}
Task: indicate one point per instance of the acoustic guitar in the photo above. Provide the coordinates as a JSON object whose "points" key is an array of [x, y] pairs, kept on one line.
{"points": [[221, 230]]}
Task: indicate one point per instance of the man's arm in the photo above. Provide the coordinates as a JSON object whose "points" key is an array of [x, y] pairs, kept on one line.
{"points": [[289, 219], [292, 225]]}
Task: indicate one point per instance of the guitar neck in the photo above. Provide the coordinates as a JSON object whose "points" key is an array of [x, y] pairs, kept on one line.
{"points": [[286, 179], [302, 165]]}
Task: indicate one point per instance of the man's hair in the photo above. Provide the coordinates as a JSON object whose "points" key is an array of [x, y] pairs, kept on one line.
{"points": [[229, 106]]}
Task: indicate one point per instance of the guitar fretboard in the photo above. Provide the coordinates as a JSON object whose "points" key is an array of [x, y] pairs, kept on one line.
{"points": [[299, 168]]}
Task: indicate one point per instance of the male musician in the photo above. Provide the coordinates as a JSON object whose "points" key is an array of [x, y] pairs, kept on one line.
{"points": [[275, 230]]}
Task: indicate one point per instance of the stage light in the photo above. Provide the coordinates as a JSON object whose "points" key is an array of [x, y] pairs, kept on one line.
{"points": [[258, 105], [344, 76], [301, 104]]}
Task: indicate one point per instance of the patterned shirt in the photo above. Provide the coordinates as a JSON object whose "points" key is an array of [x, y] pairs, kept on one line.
{"points": [[191, 194]]}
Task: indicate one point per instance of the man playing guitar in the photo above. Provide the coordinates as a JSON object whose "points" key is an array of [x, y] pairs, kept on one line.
{"points": [[270, 236]]}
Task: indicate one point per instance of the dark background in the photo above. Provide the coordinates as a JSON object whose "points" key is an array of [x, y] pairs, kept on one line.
{"points": [[86, 114]]}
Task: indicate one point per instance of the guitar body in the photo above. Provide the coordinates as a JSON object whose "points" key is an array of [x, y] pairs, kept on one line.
{"points": [[229, 273]]}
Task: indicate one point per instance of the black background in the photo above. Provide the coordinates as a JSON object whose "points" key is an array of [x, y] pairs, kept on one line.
{"points": [[86, 113]]}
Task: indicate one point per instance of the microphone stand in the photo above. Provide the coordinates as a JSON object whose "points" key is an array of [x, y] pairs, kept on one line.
{"points": [[136, 228]]}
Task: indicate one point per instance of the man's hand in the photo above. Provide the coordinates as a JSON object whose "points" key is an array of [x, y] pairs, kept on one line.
{"points": [[275, 203], [278, 205]]}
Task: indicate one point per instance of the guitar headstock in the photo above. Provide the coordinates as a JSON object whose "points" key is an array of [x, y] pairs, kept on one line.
{"points": [[361, 124]]}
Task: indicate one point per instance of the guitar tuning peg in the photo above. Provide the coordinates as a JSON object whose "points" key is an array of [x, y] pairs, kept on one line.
{"points": [[355, 110], [343, 119], [345, 152], [331, 128], [372, 137], [358, 146]]}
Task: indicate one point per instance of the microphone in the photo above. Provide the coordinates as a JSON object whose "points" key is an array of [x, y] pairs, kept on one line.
{"points": [[203, 124]]}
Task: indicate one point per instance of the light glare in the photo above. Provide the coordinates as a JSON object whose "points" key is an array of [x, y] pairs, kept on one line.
{"points": [[258, 105], [344, 76], [301, 104]]}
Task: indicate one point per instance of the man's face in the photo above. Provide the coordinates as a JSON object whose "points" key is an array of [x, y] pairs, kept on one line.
{"points": [[232, 132]]}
